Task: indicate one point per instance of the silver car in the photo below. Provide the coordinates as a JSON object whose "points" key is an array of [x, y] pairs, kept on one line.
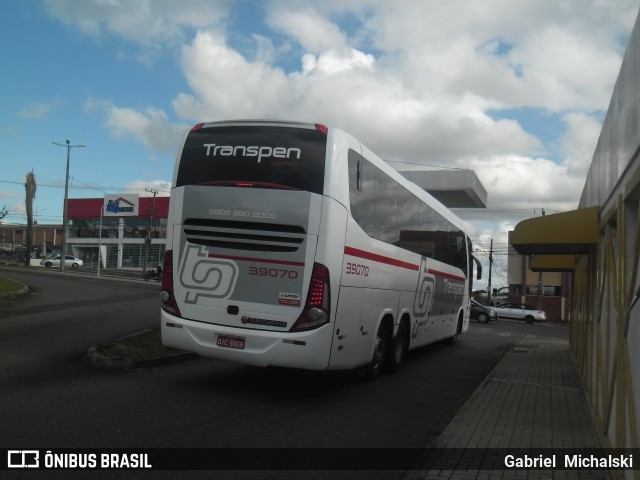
{"points": [[481, 313], [520, 311], [69, 261]]}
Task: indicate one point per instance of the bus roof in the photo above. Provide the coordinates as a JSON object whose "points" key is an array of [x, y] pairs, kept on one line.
{"points": [[370, 155]]}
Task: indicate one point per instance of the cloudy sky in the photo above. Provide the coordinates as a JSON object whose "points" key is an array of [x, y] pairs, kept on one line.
{"points": [[514, 89]]}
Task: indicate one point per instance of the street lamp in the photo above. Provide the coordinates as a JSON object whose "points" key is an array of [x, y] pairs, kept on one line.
{"points": [[66, 197]]}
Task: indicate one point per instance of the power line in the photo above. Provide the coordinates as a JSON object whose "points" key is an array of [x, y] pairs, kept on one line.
{"points": [[85, 186], [61, 186], [89, 186], [425, 165]]}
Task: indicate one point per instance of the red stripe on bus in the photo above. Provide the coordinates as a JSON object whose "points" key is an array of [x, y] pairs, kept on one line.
{"points": [[446, 275], [259, 260], [354, 252]]}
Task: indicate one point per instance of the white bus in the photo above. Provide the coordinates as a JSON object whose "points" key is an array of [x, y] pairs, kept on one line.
{"points": [[291, 244]]}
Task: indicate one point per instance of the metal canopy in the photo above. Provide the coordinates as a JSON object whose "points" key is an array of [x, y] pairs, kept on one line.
{"points": [[552, 263], [568, 233]]}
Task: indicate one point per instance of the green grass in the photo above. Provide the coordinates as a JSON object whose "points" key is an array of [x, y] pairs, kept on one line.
{"points": [[8, 287]]}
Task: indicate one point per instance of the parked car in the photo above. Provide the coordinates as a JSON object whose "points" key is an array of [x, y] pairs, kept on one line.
{"points": [[521, 311], [69, 261], [500, 296], [481, 313]]}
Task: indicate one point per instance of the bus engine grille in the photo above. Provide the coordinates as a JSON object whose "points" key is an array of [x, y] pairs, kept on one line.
{"points": [[239, 235]]}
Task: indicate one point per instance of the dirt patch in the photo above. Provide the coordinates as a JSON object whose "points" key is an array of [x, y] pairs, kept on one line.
{"points": [[140, 350]]}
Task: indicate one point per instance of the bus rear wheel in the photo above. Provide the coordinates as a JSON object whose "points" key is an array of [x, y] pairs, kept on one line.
{"points": [[380, 351], [396, 357], [454, 339]]}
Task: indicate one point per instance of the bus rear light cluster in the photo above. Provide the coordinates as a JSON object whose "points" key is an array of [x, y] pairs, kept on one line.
{"points": [[317, 308], [321, 128], [167, 298]]}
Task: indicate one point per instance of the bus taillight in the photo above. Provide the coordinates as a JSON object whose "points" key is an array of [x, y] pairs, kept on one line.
{"points": [[166, 296], [321, 128], [317, 308]]}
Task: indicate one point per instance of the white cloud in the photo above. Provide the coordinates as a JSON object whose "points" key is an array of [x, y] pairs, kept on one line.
{"points": [[224, 84], [534, 53], [150, 127], [332, 62], [39, 111], [516, 182], [312, 30], [412, 79], [266, 52], [348, 90], [579, 73], [144, 21], [579, 143]]}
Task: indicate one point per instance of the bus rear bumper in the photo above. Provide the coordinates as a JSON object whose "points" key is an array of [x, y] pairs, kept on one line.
{"points": [[306, 350]]}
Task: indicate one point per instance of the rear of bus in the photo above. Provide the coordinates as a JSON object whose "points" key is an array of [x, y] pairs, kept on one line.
{"points": [[241, 282]]}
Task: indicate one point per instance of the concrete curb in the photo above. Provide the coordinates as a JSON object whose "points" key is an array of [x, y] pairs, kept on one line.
{"points": [[23, 290]]}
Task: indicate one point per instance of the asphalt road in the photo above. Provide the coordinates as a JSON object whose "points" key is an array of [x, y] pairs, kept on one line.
{"points": [[50, 399]]}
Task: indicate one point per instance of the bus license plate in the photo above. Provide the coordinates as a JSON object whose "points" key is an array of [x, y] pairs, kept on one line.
{"points": [[228, 341]]}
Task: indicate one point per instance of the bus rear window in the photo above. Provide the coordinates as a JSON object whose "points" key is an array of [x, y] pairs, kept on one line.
{"points": [[258, 156]]}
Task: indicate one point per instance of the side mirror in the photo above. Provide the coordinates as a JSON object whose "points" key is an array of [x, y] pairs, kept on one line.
{"points": [[478, 267]]}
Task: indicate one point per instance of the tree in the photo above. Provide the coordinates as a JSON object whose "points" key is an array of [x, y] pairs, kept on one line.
{"points": [[30, 187]]}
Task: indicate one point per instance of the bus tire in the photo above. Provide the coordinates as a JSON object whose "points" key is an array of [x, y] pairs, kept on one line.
{"points": [[380, 351], [454, 339], [400, 345]]}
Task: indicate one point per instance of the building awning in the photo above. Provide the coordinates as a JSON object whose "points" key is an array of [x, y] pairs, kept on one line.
{"points": [[552, 263], [84, 208], [568, 233]]}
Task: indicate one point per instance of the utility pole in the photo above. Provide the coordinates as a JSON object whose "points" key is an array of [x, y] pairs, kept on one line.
{"points": [[65, 220], [540, 281], [147, 237], [30, 187], [490, 268]]}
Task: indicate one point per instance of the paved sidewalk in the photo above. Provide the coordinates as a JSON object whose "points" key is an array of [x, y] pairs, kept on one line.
{"points": [[532, 399]]}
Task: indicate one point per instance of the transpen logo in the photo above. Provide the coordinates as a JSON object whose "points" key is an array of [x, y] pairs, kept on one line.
{"points": [[424, 296], [424, 292], [203, 276], [260, 152]]}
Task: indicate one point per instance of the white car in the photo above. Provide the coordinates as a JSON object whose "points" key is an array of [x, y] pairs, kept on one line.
{"points": [[69, 261], [520, 311]]}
